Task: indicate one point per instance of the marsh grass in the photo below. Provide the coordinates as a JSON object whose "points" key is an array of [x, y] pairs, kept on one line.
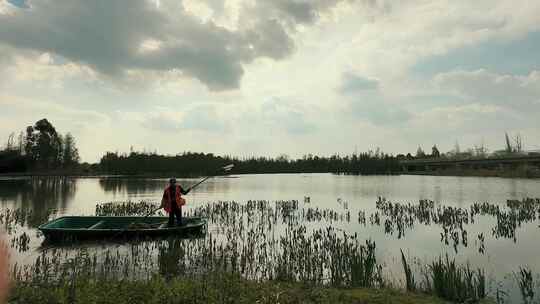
{"points": [[125, 208], [281, 242], [13, 219], [455, 282], [217, 287], [399, 218], [409, 276], [525, 282]]}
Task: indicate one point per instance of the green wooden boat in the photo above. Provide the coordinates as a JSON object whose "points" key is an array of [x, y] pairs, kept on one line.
{"points": [[104, 227]]}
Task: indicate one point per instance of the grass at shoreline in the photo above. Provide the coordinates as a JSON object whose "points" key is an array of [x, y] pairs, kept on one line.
{"points": [[223, 288]]}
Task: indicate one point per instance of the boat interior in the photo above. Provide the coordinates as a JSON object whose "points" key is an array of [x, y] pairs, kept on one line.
{"points": [[105, 222]]}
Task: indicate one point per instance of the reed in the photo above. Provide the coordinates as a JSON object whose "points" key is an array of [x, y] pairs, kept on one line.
{"points": [[280, 242], [455, 282], [525, 282], [409, 276], [125, 208]]}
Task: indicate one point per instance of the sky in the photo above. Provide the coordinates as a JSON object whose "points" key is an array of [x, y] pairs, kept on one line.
{"points": [[265, 78]]}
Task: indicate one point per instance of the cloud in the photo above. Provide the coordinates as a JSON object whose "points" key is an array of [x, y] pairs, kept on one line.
{"points": [[298, 11], [459, 118], [378, 112], [17, 107], [365, 100], [201, 117], [45, 71], [112, 37], [507, 56], [291, 117], [386, 43], [352, 83], [517, 92], [204, 117]]}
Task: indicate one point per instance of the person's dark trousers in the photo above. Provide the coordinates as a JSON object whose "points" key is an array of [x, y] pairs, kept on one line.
{"points": [[175, 211]]}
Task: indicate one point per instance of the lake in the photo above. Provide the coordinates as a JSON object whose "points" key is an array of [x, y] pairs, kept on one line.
{"points": [[500, 255]]}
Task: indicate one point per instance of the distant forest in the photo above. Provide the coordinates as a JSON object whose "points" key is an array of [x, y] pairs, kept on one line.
{"points": [[189, 163], [41, 149]]}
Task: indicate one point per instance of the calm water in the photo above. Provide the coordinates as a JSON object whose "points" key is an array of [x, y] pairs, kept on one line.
{"points": [[502, 256]]}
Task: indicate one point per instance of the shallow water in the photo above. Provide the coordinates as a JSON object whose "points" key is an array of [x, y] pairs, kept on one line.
{"points": [[500, 258]]}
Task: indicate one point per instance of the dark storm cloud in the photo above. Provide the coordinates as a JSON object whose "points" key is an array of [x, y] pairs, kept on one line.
{"points": [[107, 36]]}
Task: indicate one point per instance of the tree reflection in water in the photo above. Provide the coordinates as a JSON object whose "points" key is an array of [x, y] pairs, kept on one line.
{"points": [[137, 186], [41, 195]]}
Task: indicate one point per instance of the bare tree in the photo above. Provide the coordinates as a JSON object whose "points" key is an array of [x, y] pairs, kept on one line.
{"points": [[70, 154], [10, 145], [518, 145], [420, 153], [509, 148], [457, 150], [21, 143]]}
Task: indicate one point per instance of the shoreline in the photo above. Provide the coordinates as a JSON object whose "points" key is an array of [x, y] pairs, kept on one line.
{"points": [[215, 289], [456, 173], [525, 174]]}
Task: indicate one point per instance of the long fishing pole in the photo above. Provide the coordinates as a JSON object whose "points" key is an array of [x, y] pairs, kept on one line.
{"points": [[224, 169]]}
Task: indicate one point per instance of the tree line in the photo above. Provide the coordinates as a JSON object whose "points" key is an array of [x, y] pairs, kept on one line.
{"points": [[189, 163], [40, 148], [513, 146]]}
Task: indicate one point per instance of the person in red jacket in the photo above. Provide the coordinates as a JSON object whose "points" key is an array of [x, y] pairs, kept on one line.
{"points": [[172, 201]]}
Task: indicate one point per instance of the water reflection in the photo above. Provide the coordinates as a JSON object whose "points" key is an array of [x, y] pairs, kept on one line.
{"points": [[140, 186], [130, 185], [513, 188], [39, 195], [170, 258]]}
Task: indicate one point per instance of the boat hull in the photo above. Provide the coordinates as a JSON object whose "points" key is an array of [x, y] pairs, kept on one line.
{"points": [[109, 227]]}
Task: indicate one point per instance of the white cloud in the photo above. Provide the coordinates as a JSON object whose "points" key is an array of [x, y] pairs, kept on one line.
{"points": [[42, 70], [386, 43], [285, 116], [307, 76], [18, 108], [511, 91]]}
